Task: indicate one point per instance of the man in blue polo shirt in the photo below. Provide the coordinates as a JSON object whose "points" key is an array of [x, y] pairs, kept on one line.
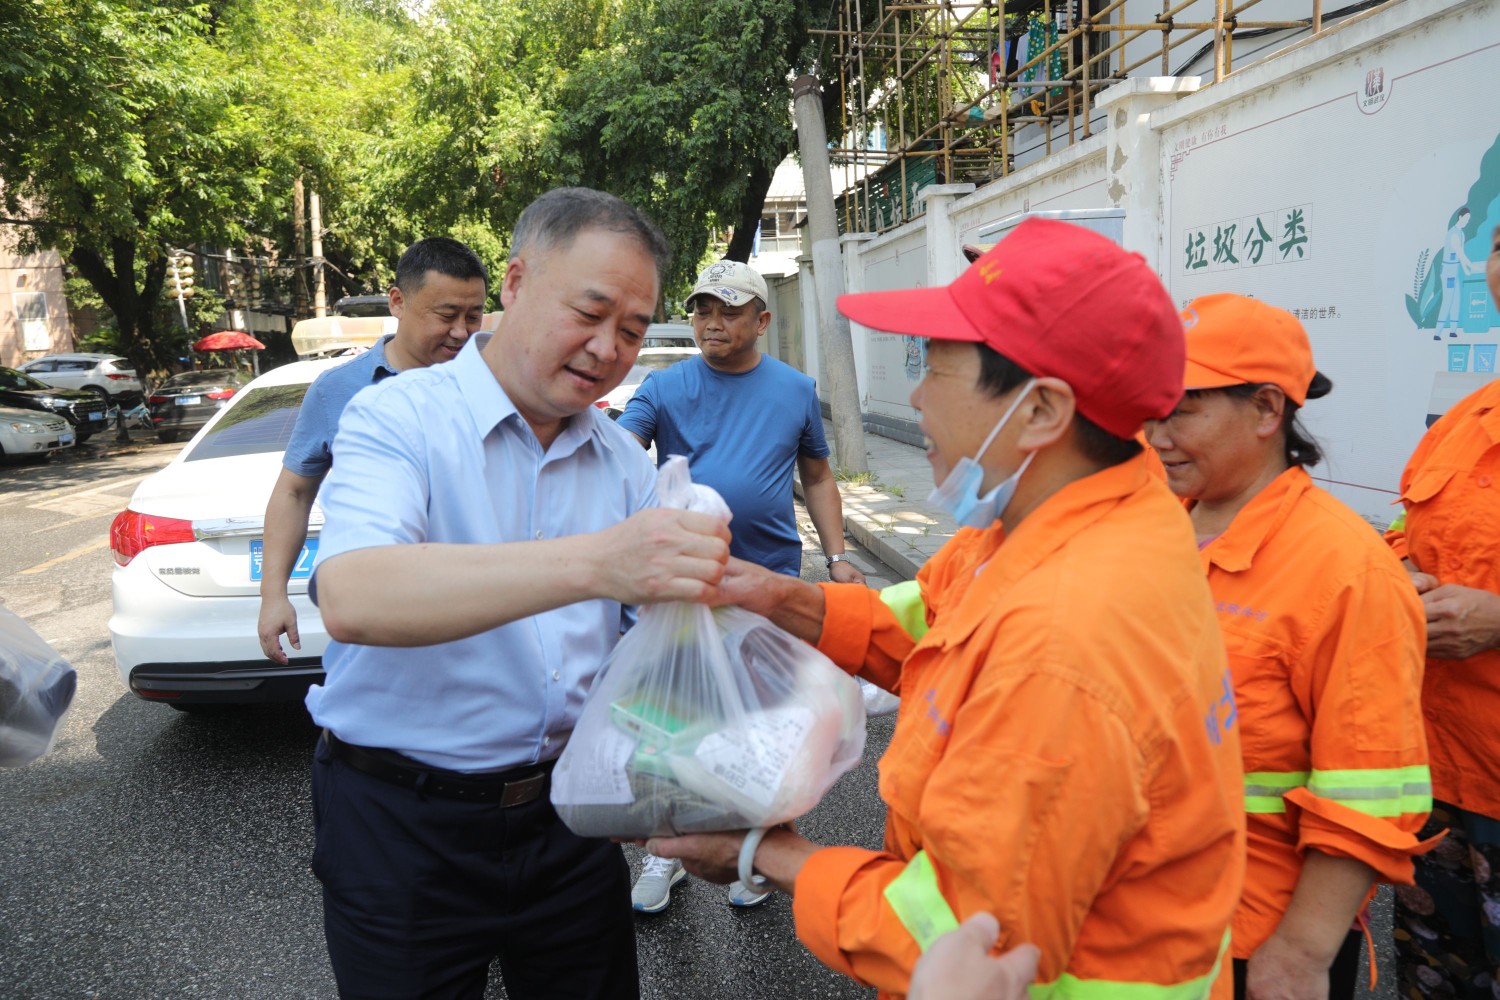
{"points": [[744, 421], [438, 301]]}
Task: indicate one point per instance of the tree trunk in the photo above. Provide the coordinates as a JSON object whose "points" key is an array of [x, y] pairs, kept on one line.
{"points": [[132, 308], [751, 207]]}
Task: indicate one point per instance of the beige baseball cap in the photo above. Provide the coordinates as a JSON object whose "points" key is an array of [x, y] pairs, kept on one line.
{"points": [[732, 283]]}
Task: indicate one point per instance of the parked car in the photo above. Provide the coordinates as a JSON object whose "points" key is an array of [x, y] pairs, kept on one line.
{"points": [[109, 376], [30, 434], [649, 360], [187, 401], [187, 549], [363, 305], [669, 335], [84, 410]]}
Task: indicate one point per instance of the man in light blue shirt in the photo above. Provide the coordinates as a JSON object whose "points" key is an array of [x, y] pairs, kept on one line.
{"points": [[485, 527], [438, 301]]}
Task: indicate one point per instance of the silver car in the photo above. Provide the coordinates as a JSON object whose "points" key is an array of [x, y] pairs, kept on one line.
{"points": [[109, 376], [32, 434]]}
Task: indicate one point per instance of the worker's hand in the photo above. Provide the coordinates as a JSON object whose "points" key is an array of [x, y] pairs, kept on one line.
{"points": [[1461, 621], [277, 616], [1282, 970], [662, 555], [845, 572], [959, 966], [750, 586], [713, 857], [1422, 581]]}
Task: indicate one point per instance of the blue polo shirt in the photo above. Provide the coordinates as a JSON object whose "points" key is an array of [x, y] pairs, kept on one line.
{"points": [[742, 433], [441, 455], [310, 451]]}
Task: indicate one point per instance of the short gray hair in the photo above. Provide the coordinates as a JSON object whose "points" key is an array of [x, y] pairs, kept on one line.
{"points": [[555, 219]]}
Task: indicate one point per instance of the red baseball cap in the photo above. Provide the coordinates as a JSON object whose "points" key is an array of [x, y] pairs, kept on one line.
{"points": [[1061, 301], [1235, 340]]}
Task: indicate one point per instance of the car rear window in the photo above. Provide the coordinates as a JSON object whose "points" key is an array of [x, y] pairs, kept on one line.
{"points": [[216, 377], [257, 422]]}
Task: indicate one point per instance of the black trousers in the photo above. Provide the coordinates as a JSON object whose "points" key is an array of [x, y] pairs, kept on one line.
{"points": [[420, 894], [1341, 974]]}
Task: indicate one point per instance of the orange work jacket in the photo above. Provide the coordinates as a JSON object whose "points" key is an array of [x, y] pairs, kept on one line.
{"points": [[1066, 754], [1451, 491], [1325, 636]]}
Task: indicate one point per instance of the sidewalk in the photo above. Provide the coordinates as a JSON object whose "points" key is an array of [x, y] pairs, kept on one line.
{"points": [[888, 513]]}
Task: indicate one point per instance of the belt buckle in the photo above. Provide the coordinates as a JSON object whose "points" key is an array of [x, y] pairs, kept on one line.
{"points": [[518, 793]]}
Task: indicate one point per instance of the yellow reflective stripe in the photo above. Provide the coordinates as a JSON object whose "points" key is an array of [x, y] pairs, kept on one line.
{"points": [[1399, 524], [1069, 987], [919, 903], [1389, 791], [1374, 791], [1264, 789], [905, 601]]}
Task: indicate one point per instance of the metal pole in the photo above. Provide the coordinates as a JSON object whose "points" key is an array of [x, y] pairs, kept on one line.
{"points": [[828, 277]]}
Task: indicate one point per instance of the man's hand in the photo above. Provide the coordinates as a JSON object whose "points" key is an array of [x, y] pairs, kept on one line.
{"points": [[959, 965], [1461, 621], [1281, 970], [662, 555], [713, 857], [277, 617], [845, 572]]}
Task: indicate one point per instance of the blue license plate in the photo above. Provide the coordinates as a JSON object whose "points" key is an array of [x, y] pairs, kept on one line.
{"points": [[304, 565], [66, 437]]}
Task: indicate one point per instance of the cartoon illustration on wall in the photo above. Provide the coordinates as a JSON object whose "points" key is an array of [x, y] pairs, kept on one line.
{"points": [[916, 357], [1448, 293]]}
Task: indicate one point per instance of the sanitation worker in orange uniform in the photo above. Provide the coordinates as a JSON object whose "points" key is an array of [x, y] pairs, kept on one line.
{"points": [[1067, 753], [1324, 634]]}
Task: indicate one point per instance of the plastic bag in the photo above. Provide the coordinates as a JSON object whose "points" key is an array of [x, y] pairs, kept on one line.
{"points": [[36, 690], [706, 719]]}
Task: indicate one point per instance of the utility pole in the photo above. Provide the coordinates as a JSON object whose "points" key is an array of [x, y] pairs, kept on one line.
{"points": [[299, 238], [320, 292], [828, 277]]}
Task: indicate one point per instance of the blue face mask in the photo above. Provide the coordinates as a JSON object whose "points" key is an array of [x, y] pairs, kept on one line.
{"points": [[958, 493]]}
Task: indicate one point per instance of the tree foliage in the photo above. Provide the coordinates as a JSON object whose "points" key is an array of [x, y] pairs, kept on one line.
{"points": [[131, 127]]}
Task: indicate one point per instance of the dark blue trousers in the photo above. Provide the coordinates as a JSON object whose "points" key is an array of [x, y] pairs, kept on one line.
{"points": [[420, 894]]}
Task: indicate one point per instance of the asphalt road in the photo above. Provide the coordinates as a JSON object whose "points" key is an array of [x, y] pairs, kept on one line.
{"points": [[155, 855]]}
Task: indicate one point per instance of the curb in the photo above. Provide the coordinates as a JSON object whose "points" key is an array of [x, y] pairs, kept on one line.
{"points": [[870, 536]]}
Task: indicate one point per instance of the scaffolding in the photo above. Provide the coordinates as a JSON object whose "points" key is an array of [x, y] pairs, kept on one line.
{"points": [[951, 87]]}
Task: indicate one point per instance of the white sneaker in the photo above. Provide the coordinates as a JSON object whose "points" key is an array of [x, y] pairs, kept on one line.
{"points": [[653, 890], [878, 701], [742, 895]]}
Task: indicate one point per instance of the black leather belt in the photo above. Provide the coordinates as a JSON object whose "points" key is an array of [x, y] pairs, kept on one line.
{"points": [[515, 787]]}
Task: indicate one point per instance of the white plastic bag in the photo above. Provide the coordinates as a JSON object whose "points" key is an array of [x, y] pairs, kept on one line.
{"points": [[36, 690], [706, 719]]}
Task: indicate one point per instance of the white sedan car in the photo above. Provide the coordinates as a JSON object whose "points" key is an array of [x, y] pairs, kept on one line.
{"points": [[649, 360], [32, 433], [187, 551]]}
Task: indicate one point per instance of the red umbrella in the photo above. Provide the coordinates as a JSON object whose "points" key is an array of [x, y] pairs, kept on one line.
{"points": [[228, 340]]}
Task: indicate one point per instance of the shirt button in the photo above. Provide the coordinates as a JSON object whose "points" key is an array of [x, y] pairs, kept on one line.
{"points": [[546, 741], [556, 675], [1455, 563], [1484, 480], [539, 533]]}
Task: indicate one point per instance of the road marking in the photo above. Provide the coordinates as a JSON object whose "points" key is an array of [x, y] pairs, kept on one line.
{"points": [[75, 520], [43, 567], [78, 504], [30, 496]]}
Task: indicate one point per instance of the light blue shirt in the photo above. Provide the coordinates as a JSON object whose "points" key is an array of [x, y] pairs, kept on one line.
{"points": [[309, 452], [441, 455]]}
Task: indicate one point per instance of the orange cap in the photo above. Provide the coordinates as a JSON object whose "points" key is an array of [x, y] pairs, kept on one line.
{"points": [[1235, 340]]}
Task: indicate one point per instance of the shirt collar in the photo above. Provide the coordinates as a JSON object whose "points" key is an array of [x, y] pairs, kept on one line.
{"points": [[1045, 530], [1234, 550], [490, 406], [380, 364]]}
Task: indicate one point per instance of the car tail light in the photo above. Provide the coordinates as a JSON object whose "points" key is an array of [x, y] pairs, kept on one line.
{"points": [[133, 532], [156, 400], [219, 394], [117, 378]]}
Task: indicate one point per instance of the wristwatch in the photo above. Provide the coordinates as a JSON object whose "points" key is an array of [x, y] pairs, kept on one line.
{"points": [[830, 560]]}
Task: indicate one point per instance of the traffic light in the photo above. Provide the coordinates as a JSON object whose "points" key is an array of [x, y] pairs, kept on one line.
{"points": [[255, 299], [182, 275]]}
